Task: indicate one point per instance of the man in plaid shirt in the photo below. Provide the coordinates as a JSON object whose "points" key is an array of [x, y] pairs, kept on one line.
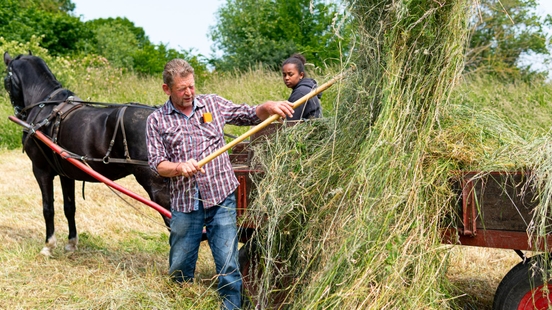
{"points": [[186, 129]]}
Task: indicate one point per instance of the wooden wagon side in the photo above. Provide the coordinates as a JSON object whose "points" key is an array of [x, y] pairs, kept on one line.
{"points": [[495, 209]]}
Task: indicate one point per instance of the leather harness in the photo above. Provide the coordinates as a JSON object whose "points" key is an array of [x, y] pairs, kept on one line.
{"points": [[61, 111]]}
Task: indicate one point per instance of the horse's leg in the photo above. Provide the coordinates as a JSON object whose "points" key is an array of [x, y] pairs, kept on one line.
{"points": [[68, 189], [46, 184]]}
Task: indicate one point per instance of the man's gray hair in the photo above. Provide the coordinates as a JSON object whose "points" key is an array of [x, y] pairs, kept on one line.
{"points": [[176, 67]]}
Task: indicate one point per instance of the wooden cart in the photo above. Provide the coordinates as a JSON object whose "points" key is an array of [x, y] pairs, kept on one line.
{"points": [[495, 210]]}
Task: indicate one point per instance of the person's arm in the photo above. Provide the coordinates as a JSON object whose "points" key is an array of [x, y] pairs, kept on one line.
{"points": [[269, 108], [169, 169]]}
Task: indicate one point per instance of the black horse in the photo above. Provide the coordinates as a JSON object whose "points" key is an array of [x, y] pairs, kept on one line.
{"points": [[110, 138]]}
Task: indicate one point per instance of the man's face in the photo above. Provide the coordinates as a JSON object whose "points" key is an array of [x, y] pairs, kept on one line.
{"points": [[182, 91]]}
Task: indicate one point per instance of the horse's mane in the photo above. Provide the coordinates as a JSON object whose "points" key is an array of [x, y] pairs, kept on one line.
{"points": [[40, 66], [40, 80]]}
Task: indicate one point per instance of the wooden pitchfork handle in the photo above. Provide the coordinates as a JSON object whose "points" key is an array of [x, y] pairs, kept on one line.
{"points": [[269, 120]]}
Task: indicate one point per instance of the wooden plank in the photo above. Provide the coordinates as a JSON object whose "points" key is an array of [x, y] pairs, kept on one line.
{"points": [[493, 239], [501, 199]]}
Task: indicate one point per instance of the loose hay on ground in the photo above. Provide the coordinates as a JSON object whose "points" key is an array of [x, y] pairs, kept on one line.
{"points": [[122, 260]]}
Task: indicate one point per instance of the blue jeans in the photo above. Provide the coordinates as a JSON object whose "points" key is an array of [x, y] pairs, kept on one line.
{"points": [[185, 237]]}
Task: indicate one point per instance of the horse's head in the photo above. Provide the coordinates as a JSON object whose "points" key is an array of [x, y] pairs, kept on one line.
{"points": [[13, 85], [28, 80]]}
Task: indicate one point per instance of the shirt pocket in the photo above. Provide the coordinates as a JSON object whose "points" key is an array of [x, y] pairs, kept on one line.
{"points": [[210, 137], [178, 142]]}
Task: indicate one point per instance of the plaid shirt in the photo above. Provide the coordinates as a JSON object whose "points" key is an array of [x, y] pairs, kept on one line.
{"points": [[172, 136]]}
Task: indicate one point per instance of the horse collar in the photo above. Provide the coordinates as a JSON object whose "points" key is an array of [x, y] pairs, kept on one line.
{"points": [[41, 104]]}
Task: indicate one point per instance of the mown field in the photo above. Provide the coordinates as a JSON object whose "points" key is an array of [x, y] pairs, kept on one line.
{"points": [[121, 262]]}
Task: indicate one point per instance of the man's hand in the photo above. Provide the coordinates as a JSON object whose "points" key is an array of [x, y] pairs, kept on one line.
{"points": [[190, 168], [187, 169], [269, 108]]}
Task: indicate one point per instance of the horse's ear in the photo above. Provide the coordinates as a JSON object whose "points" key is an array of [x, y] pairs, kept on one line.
{"points": [[7, 58], [30, 53]]}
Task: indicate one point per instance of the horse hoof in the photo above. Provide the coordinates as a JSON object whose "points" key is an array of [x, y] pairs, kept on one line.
{"points": [[46, 251], [71, 246], [50, 245]]}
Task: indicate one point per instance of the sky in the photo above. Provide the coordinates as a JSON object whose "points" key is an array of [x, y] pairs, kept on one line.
{"points": [[545, 7], [181, 24]]}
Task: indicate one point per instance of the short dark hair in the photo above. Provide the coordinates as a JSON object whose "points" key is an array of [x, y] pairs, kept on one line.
{"points": [[176, 67], [298, 60]]}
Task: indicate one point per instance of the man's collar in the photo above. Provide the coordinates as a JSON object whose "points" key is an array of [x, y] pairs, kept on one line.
{"points": [[169, 107], [172, 108]]}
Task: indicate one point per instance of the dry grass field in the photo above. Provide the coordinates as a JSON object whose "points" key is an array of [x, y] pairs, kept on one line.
{"points": [[121, 262], [476, 273], [122, 258]]}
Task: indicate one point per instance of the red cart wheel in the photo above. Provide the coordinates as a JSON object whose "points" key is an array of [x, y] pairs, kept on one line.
{"points": [[523, 287]]}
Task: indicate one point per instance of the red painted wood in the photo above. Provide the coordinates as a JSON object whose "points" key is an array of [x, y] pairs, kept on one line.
{"points": [[514, 240]]}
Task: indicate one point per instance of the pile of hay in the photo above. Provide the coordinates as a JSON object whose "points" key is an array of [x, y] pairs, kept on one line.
{"points": [[353, 204]]}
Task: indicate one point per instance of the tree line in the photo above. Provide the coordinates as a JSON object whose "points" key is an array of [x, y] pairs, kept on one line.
{"points": [[63, 33], [265, 32]]}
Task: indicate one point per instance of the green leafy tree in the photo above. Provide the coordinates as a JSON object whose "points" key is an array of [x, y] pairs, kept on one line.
{"points": [[52, 25], [140, 38], [107, 33], [249, 32], [151, 59], [61, 32], [118, 44], [128, 46], [52, 6], [505, 31]]}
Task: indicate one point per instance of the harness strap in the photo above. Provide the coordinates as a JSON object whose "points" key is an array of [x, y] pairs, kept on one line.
{"points": [[54, 138], [116, 160], [120, 115], [57, 123], [43, 102], [62, 110], [55, 92], [127, 153], [59, 110], [31, 123]]}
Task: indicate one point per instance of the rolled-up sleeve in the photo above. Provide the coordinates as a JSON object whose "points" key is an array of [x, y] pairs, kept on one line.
{"points": [[237, 114]]}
